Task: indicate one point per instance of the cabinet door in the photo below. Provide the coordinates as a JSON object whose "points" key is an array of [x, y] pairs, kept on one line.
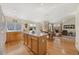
{"points": [[35, 45], [10, 36], [13, 36], [16, 36], [25, 39], [29, 42], [42, 45]]}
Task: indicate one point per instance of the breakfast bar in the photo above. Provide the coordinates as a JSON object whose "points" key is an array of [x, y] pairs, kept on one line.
{"points": [[37, 43]]}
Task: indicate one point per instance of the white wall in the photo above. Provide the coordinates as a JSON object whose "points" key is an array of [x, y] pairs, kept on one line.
{"points": [[2, 32], [77, 29], [69, 21]]}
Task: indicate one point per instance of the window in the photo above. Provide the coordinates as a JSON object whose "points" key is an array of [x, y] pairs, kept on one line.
{"points": [[13, 26]]}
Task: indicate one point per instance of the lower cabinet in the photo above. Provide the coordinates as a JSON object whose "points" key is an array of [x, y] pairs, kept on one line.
{"points": [[29, 42], [13, 37], [35, 45], [42, 45], [38, 45], [25, 39]]}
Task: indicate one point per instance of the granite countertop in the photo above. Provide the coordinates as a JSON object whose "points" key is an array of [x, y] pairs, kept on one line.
{"points": [[36, 34]]}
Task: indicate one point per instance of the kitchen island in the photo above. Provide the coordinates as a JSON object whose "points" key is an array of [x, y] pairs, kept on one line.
{"points": [[37, 43]]}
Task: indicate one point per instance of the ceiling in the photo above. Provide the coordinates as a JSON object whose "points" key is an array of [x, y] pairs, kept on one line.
{"points": [[37, 12]]}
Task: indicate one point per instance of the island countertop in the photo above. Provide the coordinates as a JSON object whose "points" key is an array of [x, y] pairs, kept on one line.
{"points": [[36, 34]]}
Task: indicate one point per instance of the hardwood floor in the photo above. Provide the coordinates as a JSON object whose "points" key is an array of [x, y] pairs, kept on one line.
{"points": [[17, 49], [57, 46], [64, 47]]}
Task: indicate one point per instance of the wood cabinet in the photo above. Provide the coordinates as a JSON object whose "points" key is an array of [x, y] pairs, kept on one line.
{"points": [[25, 39], [13, 37], [42, 45], [29, 42], [37, 44]]}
